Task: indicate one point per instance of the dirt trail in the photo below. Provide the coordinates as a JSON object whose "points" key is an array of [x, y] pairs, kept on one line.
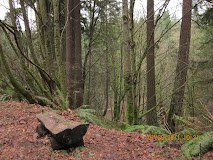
{"points": [[18, 140]]}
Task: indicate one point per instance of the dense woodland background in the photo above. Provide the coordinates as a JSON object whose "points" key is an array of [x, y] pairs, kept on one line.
{"points": [[155, 70]]}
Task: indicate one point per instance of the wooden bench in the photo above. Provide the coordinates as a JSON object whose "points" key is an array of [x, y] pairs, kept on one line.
{"points": [[64, 134]]}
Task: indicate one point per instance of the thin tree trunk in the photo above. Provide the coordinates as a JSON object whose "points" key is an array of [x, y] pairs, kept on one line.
{"points": [[57, 44], [176, 106], [28, 32], [41, 37], [47, 37], [133, 59], [127, 64], [107, 78], [88, 56], [116, 86], [18, 87]]}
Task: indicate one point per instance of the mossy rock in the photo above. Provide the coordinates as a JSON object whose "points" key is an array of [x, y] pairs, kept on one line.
{"points": [[201, 145]]}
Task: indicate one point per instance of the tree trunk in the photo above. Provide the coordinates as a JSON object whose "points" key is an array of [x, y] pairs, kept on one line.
{"points": [[107, 78], [46, 31], [73, 55], [133, 59], [18, 87], [28, 33], [176, 106], [151, 95], [57, 44], [127, 64]]}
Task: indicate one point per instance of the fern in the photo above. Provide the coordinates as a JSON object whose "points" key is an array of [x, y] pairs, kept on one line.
{"points": [[201, 145], [61, 100], [144, 129], [4, 97], [188, 131], [135, 128], [89, 115]]}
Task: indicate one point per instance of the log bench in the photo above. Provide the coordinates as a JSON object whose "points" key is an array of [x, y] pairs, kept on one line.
{"points": [[64, 134]]}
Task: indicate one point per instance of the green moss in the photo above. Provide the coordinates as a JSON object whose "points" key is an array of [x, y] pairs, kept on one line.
{"points": [[8, 92], [89, 115], [198, 146], [189, 131], [144, 129], [135, 128]]}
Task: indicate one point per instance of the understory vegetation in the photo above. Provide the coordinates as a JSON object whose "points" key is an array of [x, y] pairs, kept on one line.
{"points": [[151, 74]]}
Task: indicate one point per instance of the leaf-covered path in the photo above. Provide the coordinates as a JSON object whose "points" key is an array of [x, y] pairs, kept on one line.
{"points": [[18, 140]]}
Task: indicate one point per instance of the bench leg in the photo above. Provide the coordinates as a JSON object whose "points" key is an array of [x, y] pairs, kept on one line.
{"points": [[41, 130], [55, 145]]}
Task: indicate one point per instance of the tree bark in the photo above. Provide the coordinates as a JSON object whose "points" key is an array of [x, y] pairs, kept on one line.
{"points": [[28, 33], [88, 55], [176, 106], [47, 38], [73, 55], [18, 87], [151, 94], [127, 64], [133, 59], [57, 43]]}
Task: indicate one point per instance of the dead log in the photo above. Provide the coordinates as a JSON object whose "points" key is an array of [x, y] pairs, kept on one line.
{"points": [[64, 133]]}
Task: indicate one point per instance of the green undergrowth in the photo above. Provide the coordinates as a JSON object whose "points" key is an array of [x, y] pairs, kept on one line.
{"points": [[162, 136], [146, 129], [188, 131], [201, 145], [89, 115], [8, 93], [5, 97], [180, 137], [190, 147]]}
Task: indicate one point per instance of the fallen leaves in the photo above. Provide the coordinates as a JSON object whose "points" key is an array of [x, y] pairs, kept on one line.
{"points": [[19, 141]]}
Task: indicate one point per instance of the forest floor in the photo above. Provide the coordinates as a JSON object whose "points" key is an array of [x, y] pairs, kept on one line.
{"points": [[19, 141]]}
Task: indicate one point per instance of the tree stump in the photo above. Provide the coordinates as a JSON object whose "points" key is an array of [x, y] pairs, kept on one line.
{"points": [[64, 133]]}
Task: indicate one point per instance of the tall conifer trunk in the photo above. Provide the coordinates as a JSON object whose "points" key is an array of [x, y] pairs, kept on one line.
{"points": [[73, 55], [176, 106], [151, 95]]}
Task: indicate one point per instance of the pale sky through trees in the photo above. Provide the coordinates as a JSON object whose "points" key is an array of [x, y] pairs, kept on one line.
{"points": [[3, 8], [140, 8]]}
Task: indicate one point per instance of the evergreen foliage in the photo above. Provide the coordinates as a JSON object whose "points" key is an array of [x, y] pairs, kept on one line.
{"points": [[89, 115], [32, 63], [198, 146], [144, 129]]}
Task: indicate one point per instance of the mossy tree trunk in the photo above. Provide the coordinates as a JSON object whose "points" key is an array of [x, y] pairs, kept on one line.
{"points": [[107, 70], [117, 85], [57, 47], [176, 106], [20, 89], [133, 60], [38, 82], [128, 85], [45, 21], [30, 45]]}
